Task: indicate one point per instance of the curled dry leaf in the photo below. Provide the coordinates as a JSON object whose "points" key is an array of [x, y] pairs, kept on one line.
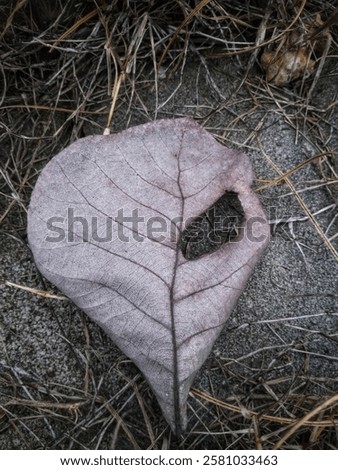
{"points": [[105, 222], [295, 54]]}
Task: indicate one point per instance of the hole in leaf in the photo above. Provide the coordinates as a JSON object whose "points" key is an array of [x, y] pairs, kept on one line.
{"points": [[216, 226]]}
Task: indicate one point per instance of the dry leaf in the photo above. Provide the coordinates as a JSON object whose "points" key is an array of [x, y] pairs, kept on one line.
{"points": [[105, 222], [294, 55]]}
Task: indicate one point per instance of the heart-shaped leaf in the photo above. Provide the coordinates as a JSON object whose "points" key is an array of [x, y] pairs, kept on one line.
{"points": [[105, 224]]}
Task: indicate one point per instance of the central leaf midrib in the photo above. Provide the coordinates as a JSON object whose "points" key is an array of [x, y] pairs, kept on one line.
{"points": [[176, 391], [174, 345]]}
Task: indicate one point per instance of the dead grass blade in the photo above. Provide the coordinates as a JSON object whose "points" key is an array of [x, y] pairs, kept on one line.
{"points": [[305, 421], [20, 4], [293, 170], [316, 225], [73, 28], [184, 23], [240, 410], [32, 290]]}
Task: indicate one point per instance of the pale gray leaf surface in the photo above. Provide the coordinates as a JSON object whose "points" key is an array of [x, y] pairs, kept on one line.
{"points": [[162, 310]]}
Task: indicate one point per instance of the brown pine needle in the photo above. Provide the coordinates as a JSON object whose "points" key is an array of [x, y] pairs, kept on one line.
{"points": [[73, 28], [266, 417], [305, 421], [301, 203], [32, 290], [293, 170], [184, 23]]}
